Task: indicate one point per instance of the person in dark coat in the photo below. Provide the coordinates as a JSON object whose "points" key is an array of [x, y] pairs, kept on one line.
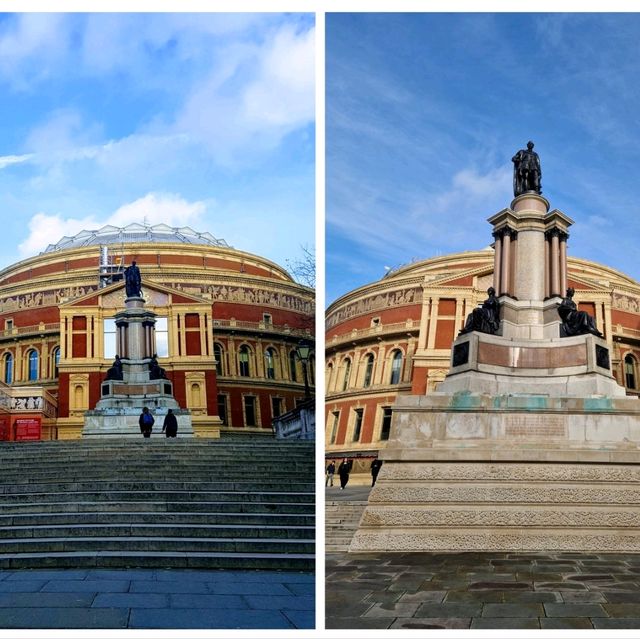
{"points": [[146, 422], [170, 424], [343, 470], [330, 472], [376, 464]]}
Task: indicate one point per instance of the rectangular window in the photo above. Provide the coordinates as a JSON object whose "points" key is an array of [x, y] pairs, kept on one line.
{"points": [[8, 324], [386, 423], [222, 409], [250, 410], [109, 337], [276, 406], [357, 426], [162, 337], [334, 426], [266, 318]]}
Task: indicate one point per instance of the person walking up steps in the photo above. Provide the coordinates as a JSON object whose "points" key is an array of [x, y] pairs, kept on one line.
{"points": [[146, 422]]}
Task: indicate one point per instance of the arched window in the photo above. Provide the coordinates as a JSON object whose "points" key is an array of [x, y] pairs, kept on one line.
{"points": [[270, 363], [8, 368], [328, 376], [630, 371], [218, 355], [347, 374], [33, 365], [55, 360], [396, 367], [243, 361], [292, 366], [368, 371]]}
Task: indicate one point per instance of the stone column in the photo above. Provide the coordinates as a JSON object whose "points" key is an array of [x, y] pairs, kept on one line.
{"points": [[555, 263], [547, 269], [563, 263], [506, 261], [431, 340], [497, 261], [424, 322]]}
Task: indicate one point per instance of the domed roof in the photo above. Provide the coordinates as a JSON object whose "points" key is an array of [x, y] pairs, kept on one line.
{"points": [[135, 233]]}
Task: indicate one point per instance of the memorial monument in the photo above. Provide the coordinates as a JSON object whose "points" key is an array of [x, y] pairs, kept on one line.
{"points": [[529, 443], [135, 380]]}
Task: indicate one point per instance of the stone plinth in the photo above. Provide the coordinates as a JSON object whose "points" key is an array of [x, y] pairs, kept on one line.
{"points": [[478, 472], [123, 423]]}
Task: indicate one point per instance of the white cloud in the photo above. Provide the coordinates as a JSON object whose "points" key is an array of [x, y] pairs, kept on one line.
{"points": [[153, 208], [8, 160], [236, 115], [62, 134]]}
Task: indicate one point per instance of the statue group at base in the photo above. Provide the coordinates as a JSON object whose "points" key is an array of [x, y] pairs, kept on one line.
{"points": [[575, 322], [485, 318]]}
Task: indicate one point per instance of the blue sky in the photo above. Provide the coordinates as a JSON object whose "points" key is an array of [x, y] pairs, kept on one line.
{"points": [[425, 111], [198, 120]]}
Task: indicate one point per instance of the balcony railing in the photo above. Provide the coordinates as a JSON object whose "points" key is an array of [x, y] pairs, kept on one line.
{"points": [[373, 331], [262, 327], [23, 331]]}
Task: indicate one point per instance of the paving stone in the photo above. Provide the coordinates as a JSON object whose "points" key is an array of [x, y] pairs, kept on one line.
{"points": [[385, 598], [619, 597], [301, 619], [392, 610], [513, 610], [500, 585], [622, 609], [422, 596], [531, 596], [565, 623], [301, 588], [504, 622], [65, 617], [20, 575], [46, 600], [27, 585], [432, 624], [276, 602], [476, 596], [609, 623], [251, 588], [582, 596], [574, 610], [86, 585], [168, 587], [207, 618], [366, 623], [129, 573], [591, 577], [130, 600], [463, 610], [5, 573], [558, 585], [347, 609]]}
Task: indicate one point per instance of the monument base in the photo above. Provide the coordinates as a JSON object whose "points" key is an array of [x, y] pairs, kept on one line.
{"points": [[123, 423], [478, 472]]}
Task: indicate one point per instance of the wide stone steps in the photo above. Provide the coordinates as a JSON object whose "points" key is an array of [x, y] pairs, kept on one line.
{"points": [[157, 503], [191, 518], [341, 522]]}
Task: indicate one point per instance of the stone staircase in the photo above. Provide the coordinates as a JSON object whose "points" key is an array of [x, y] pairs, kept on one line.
{"points": [[157, 503], [341, 522]]}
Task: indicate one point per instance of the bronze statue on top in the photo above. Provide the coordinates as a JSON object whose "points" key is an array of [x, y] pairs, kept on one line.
{"points": [[527, 174], [485, 318], [575, 322], [133, 280]]}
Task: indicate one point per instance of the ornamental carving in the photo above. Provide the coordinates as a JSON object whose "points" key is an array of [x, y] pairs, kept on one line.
{"points": [[626, 303], [375, 302], [514, 472], [43, 298], [245, 295]]}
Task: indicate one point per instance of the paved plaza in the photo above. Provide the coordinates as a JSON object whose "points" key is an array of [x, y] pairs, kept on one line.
{"points": [[101, 598], [479, 590], [483, 590]]}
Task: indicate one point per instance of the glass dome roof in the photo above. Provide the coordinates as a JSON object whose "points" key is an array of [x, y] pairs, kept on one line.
{"points": [[135, 233]]}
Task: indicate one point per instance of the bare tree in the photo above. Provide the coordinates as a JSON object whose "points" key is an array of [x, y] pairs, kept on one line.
{"points": [[304, 269]]}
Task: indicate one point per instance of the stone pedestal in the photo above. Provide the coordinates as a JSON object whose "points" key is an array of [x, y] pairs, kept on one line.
{"points": [[122, 400], [529, 443]]}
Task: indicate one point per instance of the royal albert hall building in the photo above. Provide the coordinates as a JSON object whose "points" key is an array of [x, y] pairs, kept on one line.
{"points": [[394, 336], [228, 324]]}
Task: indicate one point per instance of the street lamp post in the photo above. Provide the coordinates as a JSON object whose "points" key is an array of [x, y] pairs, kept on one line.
{"points": [[303, 350]]}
